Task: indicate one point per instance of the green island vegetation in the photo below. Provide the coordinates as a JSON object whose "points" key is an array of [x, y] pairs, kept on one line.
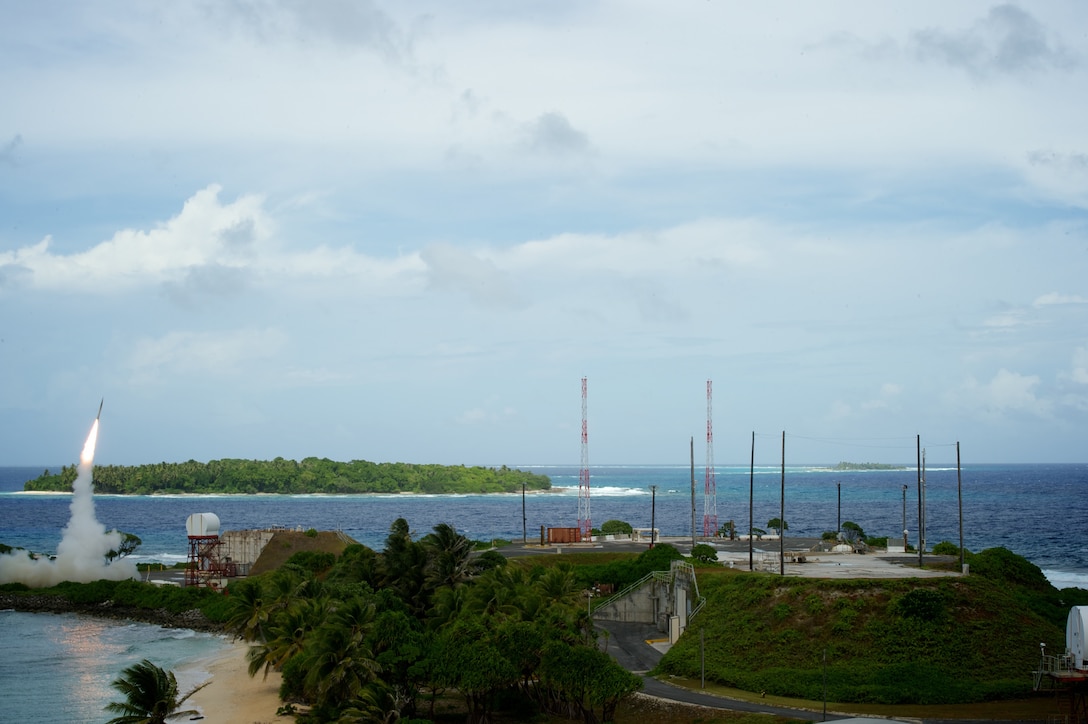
{"points": [[845, 466], [279, 476], [428, 630]]}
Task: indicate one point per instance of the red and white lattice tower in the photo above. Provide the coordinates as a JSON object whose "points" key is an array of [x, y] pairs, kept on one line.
{"points": [[585, 527], [710, 487]]}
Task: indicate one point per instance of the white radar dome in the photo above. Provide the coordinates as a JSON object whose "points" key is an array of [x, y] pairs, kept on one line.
{"points": [[201, 524]]}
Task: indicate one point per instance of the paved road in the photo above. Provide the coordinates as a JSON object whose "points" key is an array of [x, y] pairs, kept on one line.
{"points": [[627, 644]]}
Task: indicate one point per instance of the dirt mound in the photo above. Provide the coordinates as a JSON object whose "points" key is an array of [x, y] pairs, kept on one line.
{"points": [[286, 543]]}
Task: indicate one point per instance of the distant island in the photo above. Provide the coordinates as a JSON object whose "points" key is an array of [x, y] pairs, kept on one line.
{"points": [[288, 477], [844, 466]]}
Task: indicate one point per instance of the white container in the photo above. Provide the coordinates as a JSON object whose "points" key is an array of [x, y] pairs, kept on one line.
{"points": [[202, 524]]}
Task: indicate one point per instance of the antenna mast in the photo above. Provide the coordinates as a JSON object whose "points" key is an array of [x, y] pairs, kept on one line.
{"points": [[585, 527], [710, 488]]}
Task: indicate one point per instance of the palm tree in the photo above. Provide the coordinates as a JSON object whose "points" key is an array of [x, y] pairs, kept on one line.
{"points": [[288, 634], [151, 696], [339, 667], [450, 553], [249, 611]]}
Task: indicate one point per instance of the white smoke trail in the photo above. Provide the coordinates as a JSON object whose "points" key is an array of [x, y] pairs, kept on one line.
{"points": [[81, 554]]}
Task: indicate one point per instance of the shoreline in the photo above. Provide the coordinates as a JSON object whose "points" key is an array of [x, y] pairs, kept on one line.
{"points": [[232, 696], [68, 493]]}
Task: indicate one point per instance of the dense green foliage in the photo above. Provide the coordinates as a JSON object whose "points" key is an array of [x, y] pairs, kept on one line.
{"points": [[135, 594], [925, 641], [312, 475], [622, 573], [1026, 584], [377, 636]]}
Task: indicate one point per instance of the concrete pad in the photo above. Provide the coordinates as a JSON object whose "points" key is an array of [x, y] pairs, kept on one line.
{"points": [[833, 565]]}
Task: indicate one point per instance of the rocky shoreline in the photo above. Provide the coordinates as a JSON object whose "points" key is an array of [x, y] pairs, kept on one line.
{"points": [[39, 603]]}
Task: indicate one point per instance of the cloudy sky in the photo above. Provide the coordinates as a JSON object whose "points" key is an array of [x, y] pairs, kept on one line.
{"points": [[406, 231]]}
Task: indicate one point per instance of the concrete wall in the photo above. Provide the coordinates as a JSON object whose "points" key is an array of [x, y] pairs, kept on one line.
{"points": [[243, 547], [641, 605], [664, 600]]}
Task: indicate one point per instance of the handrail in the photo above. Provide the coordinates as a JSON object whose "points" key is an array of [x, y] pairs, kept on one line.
{"points": [[665, 576], [633, 587]]}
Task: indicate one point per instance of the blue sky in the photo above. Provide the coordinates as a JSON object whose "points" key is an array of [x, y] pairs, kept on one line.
{"points": [[405, 231]]}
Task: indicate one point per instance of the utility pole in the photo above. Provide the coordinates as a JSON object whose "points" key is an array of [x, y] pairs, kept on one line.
{"points": [[838, 529], [692, 492], [904, 518], [918, 445], [959, 494], [922, 532], [782, 514], [653, 514], [751, 497]]}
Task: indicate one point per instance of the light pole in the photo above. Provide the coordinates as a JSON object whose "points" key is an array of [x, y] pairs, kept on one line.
{"points": [[590, 593], [653, 513], [904, 518]]}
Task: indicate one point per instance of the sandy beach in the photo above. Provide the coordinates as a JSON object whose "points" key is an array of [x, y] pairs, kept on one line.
{"points": [[233, 697]]}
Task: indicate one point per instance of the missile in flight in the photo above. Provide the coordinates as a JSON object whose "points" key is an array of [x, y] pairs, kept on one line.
{"points": [[100, 409]]}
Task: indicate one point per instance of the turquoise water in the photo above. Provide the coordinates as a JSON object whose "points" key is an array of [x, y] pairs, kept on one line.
{"points": [[58, 667]]}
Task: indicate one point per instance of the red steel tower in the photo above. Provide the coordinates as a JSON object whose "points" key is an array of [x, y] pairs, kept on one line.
{"points": [[710, 488], [585, 527]]}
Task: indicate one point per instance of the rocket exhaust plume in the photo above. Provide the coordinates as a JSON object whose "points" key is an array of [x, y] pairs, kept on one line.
{"points": [[81, 553]]}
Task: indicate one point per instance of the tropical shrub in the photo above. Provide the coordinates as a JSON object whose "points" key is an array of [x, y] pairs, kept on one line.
{"points": [[851, 531], [704, 553], [612, 527], [945, 548]]}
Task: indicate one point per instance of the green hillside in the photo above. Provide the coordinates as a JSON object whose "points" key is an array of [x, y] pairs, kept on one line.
{"points": [[926, 641]]}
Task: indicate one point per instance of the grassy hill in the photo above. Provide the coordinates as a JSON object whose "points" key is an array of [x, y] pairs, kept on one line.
{"points": [[286, 543], [932, 641]]}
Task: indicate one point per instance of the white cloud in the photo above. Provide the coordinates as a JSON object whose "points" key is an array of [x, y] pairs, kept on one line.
{"points": [[209, 248], [889, 394], [886, 400], [1005, 393], [1079, 370], [204, 233], [1054, 298], [204, 356], [452, 269], [488, 415], [1007, 320], [1063, 176]]}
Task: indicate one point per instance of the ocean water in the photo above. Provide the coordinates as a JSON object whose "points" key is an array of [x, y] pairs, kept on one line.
{"points": [[58, 667], [1037, 511]]}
